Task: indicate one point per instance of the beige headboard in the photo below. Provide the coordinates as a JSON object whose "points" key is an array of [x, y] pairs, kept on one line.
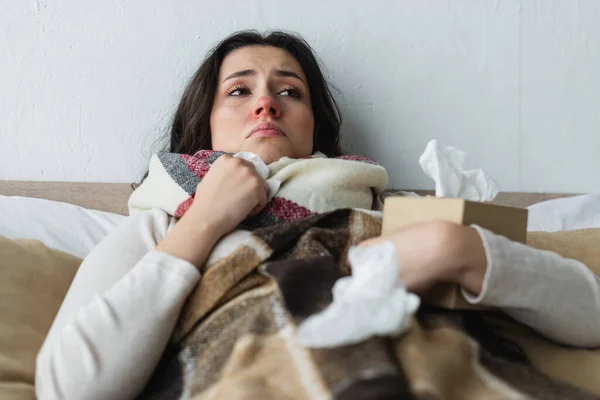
{"points": [[112, 197]]}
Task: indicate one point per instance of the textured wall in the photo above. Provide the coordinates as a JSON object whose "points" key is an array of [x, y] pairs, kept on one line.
{"points": [[88, 87]]}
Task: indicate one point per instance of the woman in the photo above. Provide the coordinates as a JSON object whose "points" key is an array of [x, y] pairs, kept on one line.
{"points": [[267, 95]]}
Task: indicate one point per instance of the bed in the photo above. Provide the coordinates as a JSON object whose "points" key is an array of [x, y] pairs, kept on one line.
{"points": [[45, 274]]}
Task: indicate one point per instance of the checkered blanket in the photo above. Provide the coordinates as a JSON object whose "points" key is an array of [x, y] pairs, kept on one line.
{"points": [[236, 336]]}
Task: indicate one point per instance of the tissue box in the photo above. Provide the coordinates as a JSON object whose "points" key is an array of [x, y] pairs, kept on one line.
{"points": [[510, 222]]}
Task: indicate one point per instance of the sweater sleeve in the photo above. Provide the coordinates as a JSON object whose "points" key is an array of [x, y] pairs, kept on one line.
{"points": [[558, 297], [117, 316]]}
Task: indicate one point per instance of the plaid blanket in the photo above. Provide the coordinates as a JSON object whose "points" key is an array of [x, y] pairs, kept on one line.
{"points": [[235, 338]]}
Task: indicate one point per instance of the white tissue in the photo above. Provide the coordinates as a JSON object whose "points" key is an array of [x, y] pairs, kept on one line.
{"points": [[372, 301], [262, 169], [445, 165]]}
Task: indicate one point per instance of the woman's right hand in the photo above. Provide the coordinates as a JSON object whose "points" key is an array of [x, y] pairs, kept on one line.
{"points": [[230, 191]]}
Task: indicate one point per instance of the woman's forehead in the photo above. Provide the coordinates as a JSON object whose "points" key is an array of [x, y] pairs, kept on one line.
{"points": [[262, 59]]}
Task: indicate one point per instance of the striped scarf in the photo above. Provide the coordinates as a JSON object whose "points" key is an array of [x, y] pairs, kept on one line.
{"points": [[309, 186]]}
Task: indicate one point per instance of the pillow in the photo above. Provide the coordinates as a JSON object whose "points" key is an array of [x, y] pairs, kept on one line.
{"points": [[33, 282], [568, 213], [73, 229]]}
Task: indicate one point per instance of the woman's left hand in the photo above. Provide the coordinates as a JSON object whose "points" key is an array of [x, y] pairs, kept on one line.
{"points": [[438, 251]]}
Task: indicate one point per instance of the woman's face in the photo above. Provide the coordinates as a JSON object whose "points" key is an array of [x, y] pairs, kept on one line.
{"points": [[262, 105]]}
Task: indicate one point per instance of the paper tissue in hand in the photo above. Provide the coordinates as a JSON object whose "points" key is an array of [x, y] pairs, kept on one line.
{"points": [[461, 197], [370, 302], [262, 169]]}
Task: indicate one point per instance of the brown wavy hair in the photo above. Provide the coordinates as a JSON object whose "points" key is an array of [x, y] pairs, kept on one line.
{"points": [[190, 128]]}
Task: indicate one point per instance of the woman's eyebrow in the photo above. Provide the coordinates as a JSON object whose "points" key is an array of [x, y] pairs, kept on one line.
{"points": [[246, 72], [277, 72], [281, 72]]}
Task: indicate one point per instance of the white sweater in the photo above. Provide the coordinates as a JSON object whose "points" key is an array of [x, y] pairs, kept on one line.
{"points": [[124, 302]]}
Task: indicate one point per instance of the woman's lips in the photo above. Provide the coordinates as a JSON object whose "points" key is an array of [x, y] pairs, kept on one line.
{"points": [[266, 133], [266, 129]]}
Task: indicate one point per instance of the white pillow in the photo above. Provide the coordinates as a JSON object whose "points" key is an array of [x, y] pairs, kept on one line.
{"points": [[564, 214], [62, 226]]}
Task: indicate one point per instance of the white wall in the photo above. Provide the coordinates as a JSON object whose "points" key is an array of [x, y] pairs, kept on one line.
{"points": [[86, 87]]}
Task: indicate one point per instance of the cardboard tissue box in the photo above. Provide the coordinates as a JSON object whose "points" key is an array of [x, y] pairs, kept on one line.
{"points": [[462, 196], [510, 222]]}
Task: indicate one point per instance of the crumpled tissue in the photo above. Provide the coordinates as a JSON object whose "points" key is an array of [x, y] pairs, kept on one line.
{"points": [[444, 164], [262, 169], [372, 301]]}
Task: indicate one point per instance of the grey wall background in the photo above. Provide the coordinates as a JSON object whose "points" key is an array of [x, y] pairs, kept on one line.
{"points": [[87, 87]]}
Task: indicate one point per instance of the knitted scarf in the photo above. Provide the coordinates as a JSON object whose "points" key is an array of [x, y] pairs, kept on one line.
{"points": [[308, 186]]}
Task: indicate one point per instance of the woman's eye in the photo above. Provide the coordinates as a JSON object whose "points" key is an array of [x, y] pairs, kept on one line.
{"points": [[292, 92], [239, 91]]}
